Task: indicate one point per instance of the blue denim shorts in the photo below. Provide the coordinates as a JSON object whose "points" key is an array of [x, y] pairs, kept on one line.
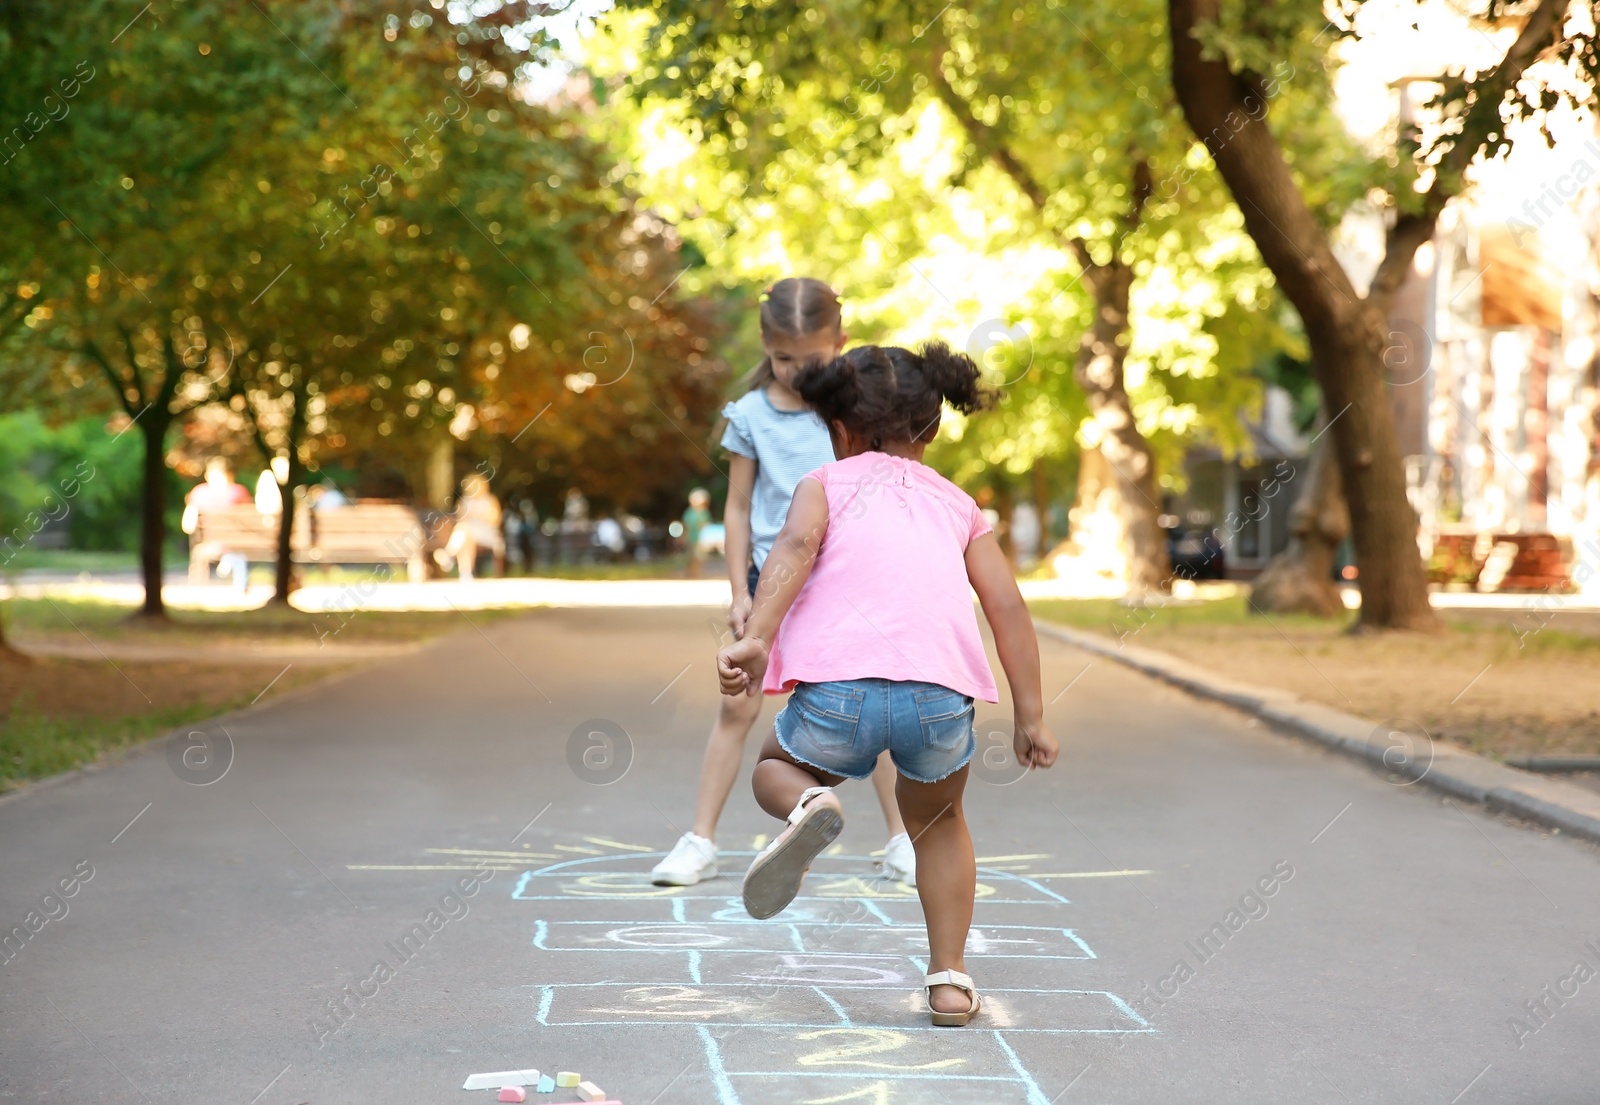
{"points": [[842, 727]]}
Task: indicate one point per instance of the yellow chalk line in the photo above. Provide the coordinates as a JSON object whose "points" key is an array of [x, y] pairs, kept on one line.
{"points": [[484, 852], [604, 843]]}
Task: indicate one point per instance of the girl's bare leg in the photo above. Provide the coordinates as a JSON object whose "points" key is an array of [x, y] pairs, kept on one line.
{"points": [[883, 780], [779, 780], [947, 875], [724, 754]]}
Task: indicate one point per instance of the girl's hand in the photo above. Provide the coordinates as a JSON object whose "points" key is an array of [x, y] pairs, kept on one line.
{"points": [[741, 666], [1034, 744], [739, 613]]}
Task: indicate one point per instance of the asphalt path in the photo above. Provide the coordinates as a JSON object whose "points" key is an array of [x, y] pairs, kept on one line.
{"points": [[437, 866]]}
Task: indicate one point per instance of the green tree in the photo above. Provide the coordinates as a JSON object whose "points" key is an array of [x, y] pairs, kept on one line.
{"points": [[362, 215], [1068, 109], [114, 199], [1229, 59]]}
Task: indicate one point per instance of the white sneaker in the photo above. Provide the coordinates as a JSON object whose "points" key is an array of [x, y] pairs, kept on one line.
{"points": [[693, 859], [900, 860]]}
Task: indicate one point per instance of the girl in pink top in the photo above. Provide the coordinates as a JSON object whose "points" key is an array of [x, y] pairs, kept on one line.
{"points": [[871, 581]]}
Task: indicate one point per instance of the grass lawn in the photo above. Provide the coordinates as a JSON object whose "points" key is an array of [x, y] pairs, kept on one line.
{"points": [[1482, 685], [59, 712], [72, 561], [68, 619]]}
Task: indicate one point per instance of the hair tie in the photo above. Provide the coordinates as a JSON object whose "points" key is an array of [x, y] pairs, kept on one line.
{"points": [[766, 293]]}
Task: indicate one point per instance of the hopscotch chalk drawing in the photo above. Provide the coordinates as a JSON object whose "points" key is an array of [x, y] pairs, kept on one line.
{"points": [[822, 1003]]}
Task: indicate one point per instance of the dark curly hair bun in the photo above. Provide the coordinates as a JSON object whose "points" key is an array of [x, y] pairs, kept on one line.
{"points": [[954, 376], [887, 394], [833, 388]]}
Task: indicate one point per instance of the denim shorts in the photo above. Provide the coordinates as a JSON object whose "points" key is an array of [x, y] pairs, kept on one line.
{"points": [[842, 727]]}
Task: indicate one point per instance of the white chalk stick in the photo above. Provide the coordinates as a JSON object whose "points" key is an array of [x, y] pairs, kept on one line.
{"points": [[501, 1078]]}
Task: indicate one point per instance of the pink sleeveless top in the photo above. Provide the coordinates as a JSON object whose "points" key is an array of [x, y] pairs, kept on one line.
{"points": [[888, 596]]}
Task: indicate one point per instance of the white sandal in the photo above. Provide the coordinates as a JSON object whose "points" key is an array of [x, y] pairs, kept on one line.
{"points": [[961, 982], [774, 878]]}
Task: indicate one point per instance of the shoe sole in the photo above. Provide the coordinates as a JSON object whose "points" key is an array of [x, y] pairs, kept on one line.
{"points": [[774, 879]]}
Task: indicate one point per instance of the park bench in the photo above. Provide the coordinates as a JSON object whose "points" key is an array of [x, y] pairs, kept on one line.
{"points": [[239, 529], [1502, 561], [371, 532]]}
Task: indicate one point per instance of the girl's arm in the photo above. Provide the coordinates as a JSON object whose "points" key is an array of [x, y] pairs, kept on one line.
{"points": [[736, 537], [1017, 645], [741, 666]]}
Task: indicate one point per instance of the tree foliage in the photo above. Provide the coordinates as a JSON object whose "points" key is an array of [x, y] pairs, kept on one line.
{"points": [[1546, 54], [348, 225], [1036, 150]]}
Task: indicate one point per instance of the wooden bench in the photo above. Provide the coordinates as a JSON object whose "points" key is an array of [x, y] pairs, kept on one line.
{"points": [[1521, 561], [371, 532], [239, 529]]}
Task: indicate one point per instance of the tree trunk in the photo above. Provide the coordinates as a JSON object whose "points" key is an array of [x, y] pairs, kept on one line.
{"points": [[1300, 579], [1394, 583], [1127, 514], [1114, 519], [1005, 501], [283, 574], [283, 566], [1347, 333], [7, 653], [439, 480], [153, 509], [1041, 502]]}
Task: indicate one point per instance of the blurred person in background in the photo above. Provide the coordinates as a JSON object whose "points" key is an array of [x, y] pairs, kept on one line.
{"points": [[269, 486], [478, 527], [695, 521], [325, 496], [218, 492], [528, 536], [515, 553], [608, 535]]}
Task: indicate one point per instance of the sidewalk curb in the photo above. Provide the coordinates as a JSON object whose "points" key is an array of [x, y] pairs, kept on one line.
{"points": [[1553, 803]]}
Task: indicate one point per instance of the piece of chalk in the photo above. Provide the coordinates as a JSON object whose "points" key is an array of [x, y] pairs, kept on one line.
{"points": [[588, 1091], [547, 1084], [568, 1079], [495, 1080], [513, 1093]]}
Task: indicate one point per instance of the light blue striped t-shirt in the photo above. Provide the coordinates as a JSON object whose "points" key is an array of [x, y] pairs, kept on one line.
{"points": [[786, 446]]}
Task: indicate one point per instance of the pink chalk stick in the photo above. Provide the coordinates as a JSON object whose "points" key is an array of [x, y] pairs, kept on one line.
{"points": [[513, 1093]]}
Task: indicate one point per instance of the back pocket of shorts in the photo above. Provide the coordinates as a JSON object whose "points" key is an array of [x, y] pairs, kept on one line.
{"points": [[946, 717], [830, 713]]}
